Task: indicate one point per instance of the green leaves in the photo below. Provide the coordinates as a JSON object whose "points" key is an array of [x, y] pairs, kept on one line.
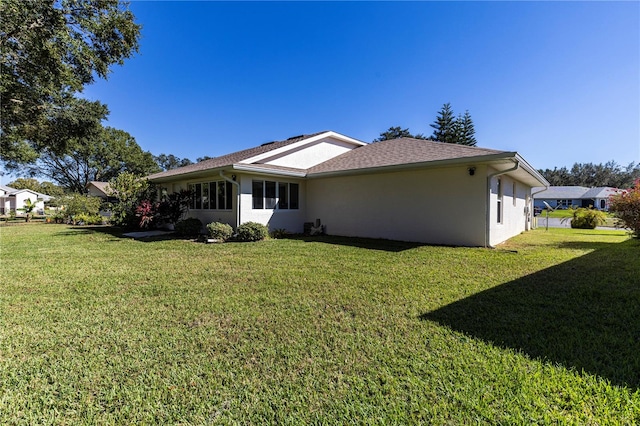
{"points": [[50, 51]]}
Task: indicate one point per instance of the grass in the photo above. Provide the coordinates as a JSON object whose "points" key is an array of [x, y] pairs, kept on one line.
{"points": [[95, 328]]}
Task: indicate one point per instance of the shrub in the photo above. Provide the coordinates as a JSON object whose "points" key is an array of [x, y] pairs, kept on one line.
{"points": [[252, 231], [583, 218], [87, 219], [279, 233], [626, 207], [220, 231], [190, 227]]}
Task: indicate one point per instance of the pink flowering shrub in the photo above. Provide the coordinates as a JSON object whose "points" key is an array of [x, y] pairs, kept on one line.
{"points": [[626, 207]]}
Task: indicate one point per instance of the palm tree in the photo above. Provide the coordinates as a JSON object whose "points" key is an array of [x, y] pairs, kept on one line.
{"points": [[28, 208]]}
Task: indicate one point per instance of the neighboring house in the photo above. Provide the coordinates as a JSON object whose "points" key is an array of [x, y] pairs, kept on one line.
{"points": [[404, 189], [12, 199], [100, 189], [564, 197]]}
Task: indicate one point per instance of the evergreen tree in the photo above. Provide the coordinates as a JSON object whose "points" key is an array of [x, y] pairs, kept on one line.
{"points": [[445, 125], [465, 131]]}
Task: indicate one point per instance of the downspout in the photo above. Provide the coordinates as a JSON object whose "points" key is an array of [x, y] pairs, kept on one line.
{"points": [[222, 175], [487, 225]]}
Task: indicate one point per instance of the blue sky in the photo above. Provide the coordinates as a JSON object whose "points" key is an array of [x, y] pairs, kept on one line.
{"points": [[558, 82]]}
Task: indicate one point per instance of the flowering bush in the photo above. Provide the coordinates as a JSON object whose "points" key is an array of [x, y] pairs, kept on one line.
{"points": [[626, 207], [146, 211]]}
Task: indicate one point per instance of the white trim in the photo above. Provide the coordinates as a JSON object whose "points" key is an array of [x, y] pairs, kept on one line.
{"points": [[255, 168]]}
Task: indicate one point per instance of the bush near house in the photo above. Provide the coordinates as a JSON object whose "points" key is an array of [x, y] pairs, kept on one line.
{"points": [[220, 231], [190, 227], [626, 207], [251, 231]]}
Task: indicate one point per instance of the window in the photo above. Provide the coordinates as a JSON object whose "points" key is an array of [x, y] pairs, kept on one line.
{"points": [[514, 194], [275, 195], [499, 205], [211, 195], [258, 194], [269, 195]]}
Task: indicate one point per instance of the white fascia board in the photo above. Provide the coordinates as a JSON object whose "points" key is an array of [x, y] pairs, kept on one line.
{"points": [[268, 171], [302, 143]]}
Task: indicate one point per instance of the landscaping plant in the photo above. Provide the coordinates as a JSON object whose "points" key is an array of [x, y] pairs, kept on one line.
{"points": [[29, 207], [220, 231], [252, 231], [583, 218], [626, 207], [190, 227]]}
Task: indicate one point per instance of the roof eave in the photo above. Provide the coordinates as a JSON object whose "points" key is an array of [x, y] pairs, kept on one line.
{"points": [[482, 159], [266, 171]]}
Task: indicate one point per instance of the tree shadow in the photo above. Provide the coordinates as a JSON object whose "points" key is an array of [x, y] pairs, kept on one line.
{"points": [[366, 243], [583, 314]]}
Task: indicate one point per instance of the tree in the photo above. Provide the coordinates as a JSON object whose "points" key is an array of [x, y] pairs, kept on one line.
{"points": [[592, 175], [130, 190], [206, 157], [50, 51], [98, 158], [28, 208], [170, 162], [394, 133], [465, 130], [458, 130], [445, 125], [48, 188], [626, 207]]}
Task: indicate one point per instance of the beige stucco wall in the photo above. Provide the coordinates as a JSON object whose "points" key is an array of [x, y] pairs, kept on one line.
{"points": [[437, 206]]}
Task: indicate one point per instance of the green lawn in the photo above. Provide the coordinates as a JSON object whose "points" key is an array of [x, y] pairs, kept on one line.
{"points": [[95, 328]]}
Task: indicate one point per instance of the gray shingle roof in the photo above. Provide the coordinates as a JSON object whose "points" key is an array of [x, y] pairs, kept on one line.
{"points": [[600, 192], [398, 152], [574, 193], [229, 159]]}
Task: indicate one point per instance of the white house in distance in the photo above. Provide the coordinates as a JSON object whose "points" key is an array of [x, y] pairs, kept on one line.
{"points": [[12, 199], [403, 189], [564, 197]]}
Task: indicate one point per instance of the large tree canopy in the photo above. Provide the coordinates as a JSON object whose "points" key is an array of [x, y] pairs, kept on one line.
{"points": [[100, 157], [396, 133], [48, 188], [590, 175], [49, 51], [170, 161]]}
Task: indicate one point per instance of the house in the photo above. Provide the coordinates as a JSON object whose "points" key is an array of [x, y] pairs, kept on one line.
{"points": [[100, 189], [12, 199], [563, 197], [403, 189]]}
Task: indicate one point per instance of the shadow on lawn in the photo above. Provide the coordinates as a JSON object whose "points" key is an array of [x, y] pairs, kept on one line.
{"points": [[366, 243], [583, 314]]}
